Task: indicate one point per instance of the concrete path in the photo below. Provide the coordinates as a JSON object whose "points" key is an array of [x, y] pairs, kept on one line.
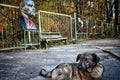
{"points": [[26, 65]]}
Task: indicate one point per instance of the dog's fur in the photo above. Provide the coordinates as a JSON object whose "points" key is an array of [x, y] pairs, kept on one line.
{"points": [[88, 68]]}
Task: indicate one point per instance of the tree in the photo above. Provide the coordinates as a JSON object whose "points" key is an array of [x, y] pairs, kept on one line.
{"points": [[116, 3]]}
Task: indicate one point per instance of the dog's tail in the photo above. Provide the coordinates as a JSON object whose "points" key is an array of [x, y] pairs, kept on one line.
{"points": [[46, 74]]}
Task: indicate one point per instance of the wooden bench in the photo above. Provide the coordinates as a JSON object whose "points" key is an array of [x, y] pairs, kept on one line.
{"points": [[46, 37]]}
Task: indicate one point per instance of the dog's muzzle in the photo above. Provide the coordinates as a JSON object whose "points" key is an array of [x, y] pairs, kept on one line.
{"points": [[85, 67]]}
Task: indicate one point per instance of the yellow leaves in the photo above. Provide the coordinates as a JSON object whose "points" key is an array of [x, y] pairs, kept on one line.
{"points": [[85, 12]]}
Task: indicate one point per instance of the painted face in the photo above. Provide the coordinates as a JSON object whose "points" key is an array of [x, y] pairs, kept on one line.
{"points": [[28, 7]]}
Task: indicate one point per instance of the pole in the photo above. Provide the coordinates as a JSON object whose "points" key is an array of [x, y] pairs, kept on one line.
{"points": [[75, 26]]}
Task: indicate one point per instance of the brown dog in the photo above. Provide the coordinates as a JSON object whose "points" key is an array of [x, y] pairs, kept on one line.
{"points": [[87, 68]]}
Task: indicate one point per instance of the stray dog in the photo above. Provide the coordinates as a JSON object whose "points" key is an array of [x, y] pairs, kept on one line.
{"points": [[88, 68]]}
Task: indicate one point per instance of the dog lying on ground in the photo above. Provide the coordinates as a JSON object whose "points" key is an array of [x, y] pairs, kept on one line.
{"points": [[88, 68]]}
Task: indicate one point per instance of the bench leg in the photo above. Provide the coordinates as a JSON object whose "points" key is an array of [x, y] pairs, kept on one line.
{"points": [[65, 41], [44, 44]]}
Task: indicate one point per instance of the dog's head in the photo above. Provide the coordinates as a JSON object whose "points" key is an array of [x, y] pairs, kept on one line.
{"points": [[87, 61]]}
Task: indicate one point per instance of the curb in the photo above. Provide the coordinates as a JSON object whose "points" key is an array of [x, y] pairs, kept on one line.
{"points": [[109, 52]]}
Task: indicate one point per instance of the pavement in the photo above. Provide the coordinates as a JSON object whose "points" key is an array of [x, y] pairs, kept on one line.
{"points": [[21, 65], [109, 46]]}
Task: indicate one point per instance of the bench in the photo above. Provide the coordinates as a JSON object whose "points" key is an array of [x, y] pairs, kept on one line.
{"points": [[46, 37]]}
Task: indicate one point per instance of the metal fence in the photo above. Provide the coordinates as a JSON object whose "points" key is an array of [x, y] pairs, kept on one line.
{"points": [[9, 35], [50, 22], [55, 22], [92, 28], [8, 14]]}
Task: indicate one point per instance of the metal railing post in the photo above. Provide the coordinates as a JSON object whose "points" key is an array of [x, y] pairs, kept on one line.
{"points": [[75, 26]]}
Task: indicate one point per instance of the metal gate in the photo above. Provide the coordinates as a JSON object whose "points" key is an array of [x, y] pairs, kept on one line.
{"points": [[55, 22]]}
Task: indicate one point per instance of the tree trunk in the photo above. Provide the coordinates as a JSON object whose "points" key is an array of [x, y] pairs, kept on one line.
{"points": [[107, 11], [116, 2], [116, 11]]}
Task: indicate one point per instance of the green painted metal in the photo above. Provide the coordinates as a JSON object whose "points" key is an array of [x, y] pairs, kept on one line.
{"points": [[75, 25], [11, 36], [33, 37], [33, 40], [25, 40]]}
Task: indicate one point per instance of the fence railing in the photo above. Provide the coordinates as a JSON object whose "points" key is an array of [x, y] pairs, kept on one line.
{"points": [[8, 14], [55, 22], [51, 22], [93, 28], [48, 21]]}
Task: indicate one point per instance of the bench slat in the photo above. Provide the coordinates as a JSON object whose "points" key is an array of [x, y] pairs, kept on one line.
{"points": [[56, 39], [51, 36]]}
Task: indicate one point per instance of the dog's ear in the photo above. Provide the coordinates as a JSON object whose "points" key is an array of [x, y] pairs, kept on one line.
{"points": [[78, 57], [96, 59]]}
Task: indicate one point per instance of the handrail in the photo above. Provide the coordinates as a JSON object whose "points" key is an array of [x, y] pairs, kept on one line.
{"points": [[6, 5]]}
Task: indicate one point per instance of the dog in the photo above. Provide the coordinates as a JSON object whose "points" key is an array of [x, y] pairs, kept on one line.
{"points": [[87, 68]]}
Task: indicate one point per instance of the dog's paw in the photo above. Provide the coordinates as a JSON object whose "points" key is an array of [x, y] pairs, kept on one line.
{"points": [[45, 73], [42, 72]]}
